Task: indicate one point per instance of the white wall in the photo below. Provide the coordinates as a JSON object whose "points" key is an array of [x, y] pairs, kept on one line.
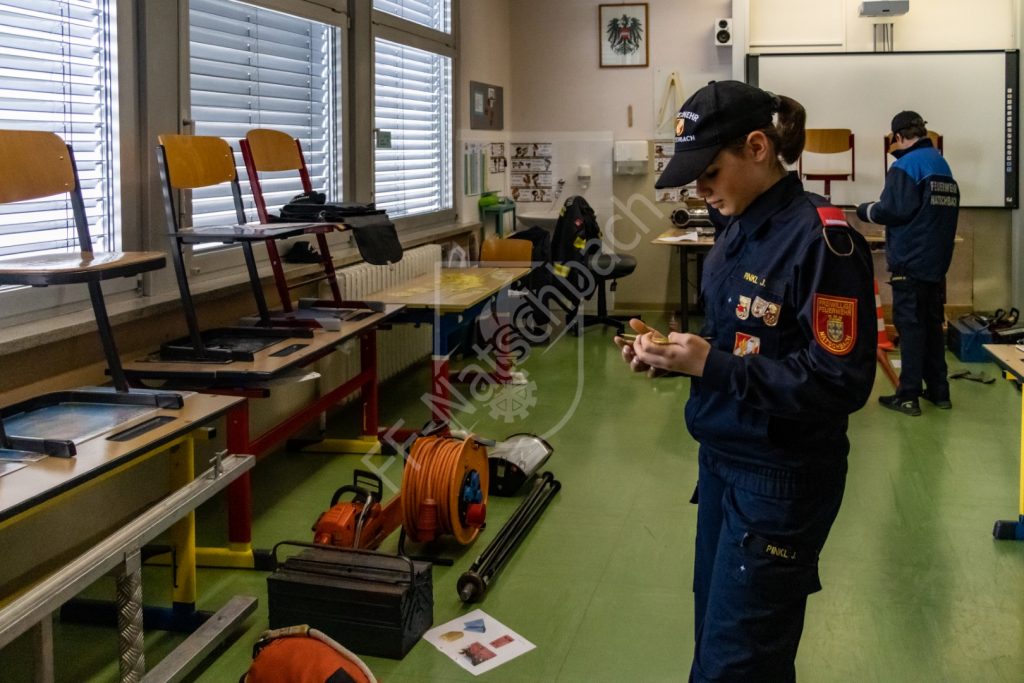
{"points": [[485, 45], [836, 25], [559, 84]]}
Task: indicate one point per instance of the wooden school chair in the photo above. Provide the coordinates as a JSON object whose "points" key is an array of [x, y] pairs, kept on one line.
{"points": [[265, 150], [36, 165], [189, 162], [825, 145], [505, 252]]}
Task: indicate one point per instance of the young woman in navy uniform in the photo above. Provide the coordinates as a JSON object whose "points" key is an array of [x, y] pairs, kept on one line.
{"points": [[786, 354]]}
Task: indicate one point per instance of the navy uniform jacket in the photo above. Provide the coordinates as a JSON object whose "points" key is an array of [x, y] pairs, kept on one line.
{"points": [[918, 207], [793, 331]]}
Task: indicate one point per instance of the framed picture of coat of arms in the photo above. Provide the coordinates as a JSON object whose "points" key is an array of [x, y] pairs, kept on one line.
{"points": [[623, 34]]}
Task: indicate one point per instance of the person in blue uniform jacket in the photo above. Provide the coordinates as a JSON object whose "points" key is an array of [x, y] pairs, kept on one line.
{"points": [[787, 352], [919, 207]]}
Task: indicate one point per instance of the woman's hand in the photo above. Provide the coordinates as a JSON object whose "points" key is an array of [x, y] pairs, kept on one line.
{"points": [[627, 345], [654, 353]]}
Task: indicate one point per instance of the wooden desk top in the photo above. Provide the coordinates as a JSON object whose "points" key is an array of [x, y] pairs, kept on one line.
{"points": [[265, 365], [1007, 356], [57, 269], [671, 238], [453, 292], [44, 479]]}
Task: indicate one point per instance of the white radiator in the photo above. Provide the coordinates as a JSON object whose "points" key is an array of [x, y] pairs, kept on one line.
{"points": [[402, 346]]}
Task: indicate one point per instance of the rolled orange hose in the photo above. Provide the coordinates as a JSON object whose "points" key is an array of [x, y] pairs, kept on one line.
{"points": [[436, 468]]}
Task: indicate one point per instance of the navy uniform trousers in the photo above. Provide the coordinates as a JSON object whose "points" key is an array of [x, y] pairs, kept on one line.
{"points": [[918, 316], [759, 531]]}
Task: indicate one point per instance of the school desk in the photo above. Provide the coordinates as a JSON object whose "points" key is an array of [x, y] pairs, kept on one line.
{"points": [[256, 379], [1011, 360], [699, 247], [62, 525], [451, 299]]}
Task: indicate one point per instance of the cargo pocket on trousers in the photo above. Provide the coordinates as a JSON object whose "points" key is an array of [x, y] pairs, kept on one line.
{"points": [[778, 571]]}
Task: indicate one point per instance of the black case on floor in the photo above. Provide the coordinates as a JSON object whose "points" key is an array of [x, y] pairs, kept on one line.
{"points": [[965, 337], [372, 603]]}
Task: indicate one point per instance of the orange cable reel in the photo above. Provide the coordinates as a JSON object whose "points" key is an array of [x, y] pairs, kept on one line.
{"points": [[444, 489]]}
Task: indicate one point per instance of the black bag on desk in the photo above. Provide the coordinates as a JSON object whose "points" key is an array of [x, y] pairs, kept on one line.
{"points": [[372, 603], [313, 206], [375, 234]]}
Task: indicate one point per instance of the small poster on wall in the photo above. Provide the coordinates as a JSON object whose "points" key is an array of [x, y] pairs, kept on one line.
{"points": [[485, 107], [496, 159], [530, 172], [663, 151]]}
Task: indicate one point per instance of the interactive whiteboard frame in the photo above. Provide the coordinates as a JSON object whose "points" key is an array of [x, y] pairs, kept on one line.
{"points": [[969, 97]]}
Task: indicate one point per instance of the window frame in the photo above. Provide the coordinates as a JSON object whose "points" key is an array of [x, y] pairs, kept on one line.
{"points": [[218, 261], [395, 29], [148, 100], [34, 303]]}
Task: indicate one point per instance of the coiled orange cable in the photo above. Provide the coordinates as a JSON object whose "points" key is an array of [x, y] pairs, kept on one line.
{"points": [[436, 469]]}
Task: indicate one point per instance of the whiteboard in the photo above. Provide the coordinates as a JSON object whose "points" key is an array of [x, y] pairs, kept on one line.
{"points": [[967, 97]]}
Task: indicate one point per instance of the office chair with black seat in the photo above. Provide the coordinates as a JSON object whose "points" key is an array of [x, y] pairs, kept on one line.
{"points": [[585, 267]]}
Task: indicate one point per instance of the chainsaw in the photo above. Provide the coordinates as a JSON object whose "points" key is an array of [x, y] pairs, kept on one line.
{"points": [[362, 521]]}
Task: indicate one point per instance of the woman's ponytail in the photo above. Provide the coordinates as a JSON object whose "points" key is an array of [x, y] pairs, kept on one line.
{"points": [[791, 120]]}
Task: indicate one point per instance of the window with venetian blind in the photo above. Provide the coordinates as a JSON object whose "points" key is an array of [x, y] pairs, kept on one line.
{"points": [[56, 75], [413, 170], [257, 68]]}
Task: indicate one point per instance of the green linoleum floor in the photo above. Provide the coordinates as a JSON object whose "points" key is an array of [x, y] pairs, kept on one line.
{"points": [[915, 587]]}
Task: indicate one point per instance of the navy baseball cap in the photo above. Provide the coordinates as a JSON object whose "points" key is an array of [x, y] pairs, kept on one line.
{"points": [[714, 116], [906, 119]]}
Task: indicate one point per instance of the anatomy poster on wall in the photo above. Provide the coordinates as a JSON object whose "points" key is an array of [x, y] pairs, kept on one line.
{"points": [[530, 174]]}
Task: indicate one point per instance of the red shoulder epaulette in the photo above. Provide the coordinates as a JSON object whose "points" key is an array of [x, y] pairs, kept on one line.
{"points": [[832, 216]]}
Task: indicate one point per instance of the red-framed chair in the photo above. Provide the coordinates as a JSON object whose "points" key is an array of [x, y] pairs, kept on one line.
{"points": [[265, 150]]}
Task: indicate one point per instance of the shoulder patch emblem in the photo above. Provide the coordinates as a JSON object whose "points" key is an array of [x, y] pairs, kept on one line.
{"points": [[835, 323]]}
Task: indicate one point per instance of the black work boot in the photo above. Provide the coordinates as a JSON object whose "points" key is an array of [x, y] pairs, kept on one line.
{"points": [[907, 406]]}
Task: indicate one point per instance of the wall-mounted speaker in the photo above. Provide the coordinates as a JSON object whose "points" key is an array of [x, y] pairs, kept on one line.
{"points": [[723, 31]]}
